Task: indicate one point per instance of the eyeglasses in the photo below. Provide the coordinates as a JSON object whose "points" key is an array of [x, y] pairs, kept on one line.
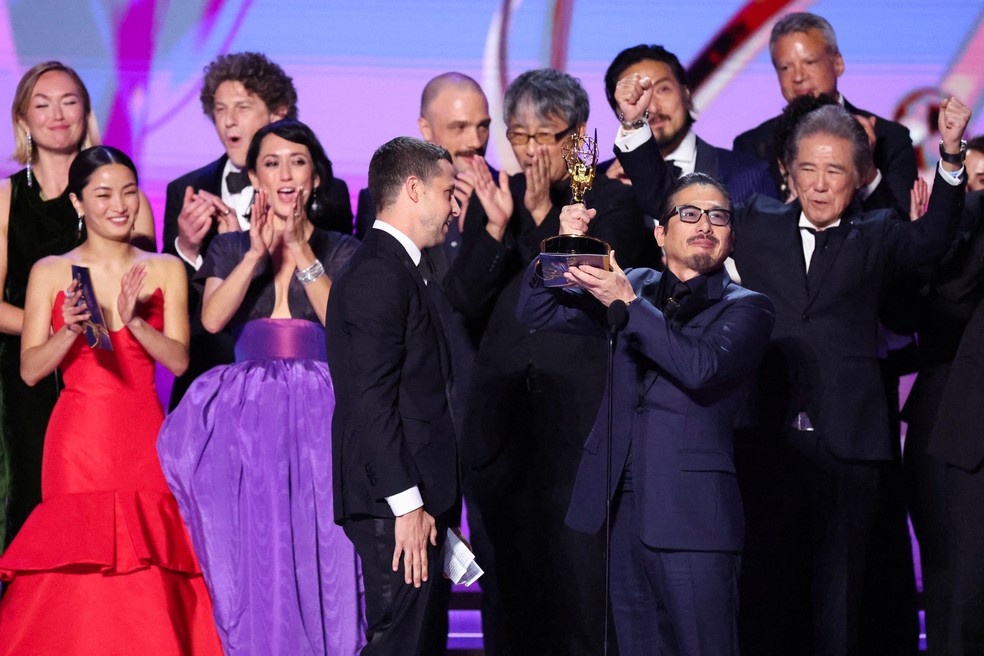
{"points": [[542, 138], [691, 214]]}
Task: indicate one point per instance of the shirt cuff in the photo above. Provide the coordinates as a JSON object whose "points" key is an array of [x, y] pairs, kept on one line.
{"points": [[626, 141], [954, 178], [870, 189], [196, 265], [403, 502]]}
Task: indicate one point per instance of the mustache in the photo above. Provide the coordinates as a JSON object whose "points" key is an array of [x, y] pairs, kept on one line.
{"points": [[471, 152], [709, 237]]}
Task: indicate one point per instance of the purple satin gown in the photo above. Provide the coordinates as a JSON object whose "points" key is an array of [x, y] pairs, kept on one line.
{"points": [[247, 453]]}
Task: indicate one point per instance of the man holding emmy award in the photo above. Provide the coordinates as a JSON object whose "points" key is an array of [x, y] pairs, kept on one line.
{"points": [[690, 339], [533, 395]]}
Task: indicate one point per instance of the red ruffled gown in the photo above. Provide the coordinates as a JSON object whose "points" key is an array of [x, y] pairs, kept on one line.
{"points": [[104, 564]]}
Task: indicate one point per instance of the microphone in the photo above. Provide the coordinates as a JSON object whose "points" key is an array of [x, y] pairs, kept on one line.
{"points": [[618, 315]]}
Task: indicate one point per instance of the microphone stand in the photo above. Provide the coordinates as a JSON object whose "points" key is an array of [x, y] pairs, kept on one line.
{"points": [[618, 317]]}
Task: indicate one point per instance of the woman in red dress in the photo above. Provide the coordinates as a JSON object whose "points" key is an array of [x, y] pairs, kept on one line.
{"points": [[104, 564]]}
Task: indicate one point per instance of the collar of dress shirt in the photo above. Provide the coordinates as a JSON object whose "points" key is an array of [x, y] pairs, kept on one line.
{"points": [[239, 202], [405, 241], [685, 155], [805, 223]]}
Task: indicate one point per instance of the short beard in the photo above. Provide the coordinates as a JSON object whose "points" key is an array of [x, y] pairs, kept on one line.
{"points": [[701, 262], [673, 140]]}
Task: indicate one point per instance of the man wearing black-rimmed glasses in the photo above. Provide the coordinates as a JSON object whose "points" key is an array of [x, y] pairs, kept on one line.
{"points": [[690, 341], [533, 396], [815, 464]]}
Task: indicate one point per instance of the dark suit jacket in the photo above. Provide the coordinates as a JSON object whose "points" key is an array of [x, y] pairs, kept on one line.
{"points": [[392, 427], [205, 349], [209, 178], [741, 174], [365, 213], [823, 354], [894, 156], [676, 392], [952, 338]]}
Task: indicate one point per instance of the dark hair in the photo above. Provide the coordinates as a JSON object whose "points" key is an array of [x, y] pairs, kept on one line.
{"points": [[398, 159], [837, 122], [299, 133], [689, 180], [786, 124], [90, 160], [802, 22], [549, 93], [258, 74], [977, 143], [634, 55]]}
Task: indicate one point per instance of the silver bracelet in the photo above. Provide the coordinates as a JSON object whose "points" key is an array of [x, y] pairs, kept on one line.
{"points": [[633, 125], [310, 274]]}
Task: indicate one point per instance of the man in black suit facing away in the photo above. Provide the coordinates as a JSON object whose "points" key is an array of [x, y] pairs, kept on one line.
{"points": [[241, 92], [943, 444], [804, 53], [814, 469], [670, 117], [394, 454]]}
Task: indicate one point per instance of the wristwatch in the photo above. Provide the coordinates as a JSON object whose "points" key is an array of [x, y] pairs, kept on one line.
{"points": [[951, 158]]}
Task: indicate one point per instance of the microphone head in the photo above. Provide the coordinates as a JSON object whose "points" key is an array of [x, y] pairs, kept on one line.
{"points": [[618, 315]]}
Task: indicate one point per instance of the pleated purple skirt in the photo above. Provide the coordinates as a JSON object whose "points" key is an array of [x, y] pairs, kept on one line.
{"points": [[247, 454]]}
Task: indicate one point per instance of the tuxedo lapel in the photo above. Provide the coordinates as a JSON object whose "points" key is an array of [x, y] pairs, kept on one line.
{"points": [[707, 159], [395, 249]]}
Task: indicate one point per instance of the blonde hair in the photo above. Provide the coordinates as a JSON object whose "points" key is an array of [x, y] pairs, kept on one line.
{"points": [[22, 101]]}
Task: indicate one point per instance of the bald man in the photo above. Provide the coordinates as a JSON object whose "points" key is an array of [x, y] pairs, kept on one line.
{"points": [[454, 114]]}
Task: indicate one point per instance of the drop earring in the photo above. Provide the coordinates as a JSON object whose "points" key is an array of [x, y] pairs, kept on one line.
{"points": [[315, 205], [80, 226], [30, 158]]}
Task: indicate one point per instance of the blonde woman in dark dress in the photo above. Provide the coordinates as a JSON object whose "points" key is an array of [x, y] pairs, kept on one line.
{"points": [[52, 121]]}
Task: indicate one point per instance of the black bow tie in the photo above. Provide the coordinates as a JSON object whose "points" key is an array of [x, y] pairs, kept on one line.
{"points": [[236, 181]]}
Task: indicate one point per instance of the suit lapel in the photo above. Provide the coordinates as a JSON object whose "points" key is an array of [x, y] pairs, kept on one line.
{"points": [[835, 242], [392, 247], [691, 307], [707, 159]]}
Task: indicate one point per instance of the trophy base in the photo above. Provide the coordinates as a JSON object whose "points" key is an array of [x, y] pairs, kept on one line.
{"points": [[560, 253]]}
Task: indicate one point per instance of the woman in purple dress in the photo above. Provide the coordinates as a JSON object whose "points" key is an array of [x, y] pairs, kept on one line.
{"points": [[247, 453]]}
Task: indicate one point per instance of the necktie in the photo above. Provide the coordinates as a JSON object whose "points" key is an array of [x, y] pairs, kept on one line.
{"points": [[425, 267], [236, 181], [819, 246], [677, 171], [673, 303]]}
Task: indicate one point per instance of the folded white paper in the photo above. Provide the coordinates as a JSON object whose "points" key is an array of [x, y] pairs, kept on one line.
{"points": [[459, 561]]}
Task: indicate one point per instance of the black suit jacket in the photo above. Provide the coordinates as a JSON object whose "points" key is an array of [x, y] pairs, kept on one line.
{"points": [[209, 178], [392, 427], [205, 349], [823, 356], [741, 174], [951, 340], [894, 156]]}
